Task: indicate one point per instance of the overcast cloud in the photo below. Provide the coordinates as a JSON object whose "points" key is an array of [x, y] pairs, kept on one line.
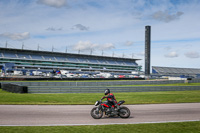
{"points": [[171, 55], [53, 3], [53, 29], [128, 43], [80, 27], [192, 54], [165, 16], [88, 46], [16, 36]]}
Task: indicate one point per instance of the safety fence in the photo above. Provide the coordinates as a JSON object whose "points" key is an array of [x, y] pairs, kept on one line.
{"points": [[103, 83], [99, 87], [90, 89]]}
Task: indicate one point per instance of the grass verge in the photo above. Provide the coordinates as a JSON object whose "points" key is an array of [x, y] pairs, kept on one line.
{"points": [[182, 127], [7, 98]]}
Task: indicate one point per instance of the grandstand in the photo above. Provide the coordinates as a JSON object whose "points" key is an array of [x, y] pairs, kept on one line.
{"points": [[173, 71], [46, 60]]}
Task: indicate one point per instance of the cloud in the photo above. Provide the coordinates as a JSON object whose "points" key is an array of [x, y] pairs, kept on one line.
{"points": [[107, 46], [87, 46], [53, 29], [80, 27], [192, 54], [53, 3], [128, 43], [141, 53], [165, 16], [171, 55], [167, 48], [16, 36]]}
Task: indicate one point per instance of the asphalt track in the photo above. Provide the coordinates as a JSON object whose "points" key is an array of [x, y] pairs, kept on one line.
{"points": [[60, 115]]}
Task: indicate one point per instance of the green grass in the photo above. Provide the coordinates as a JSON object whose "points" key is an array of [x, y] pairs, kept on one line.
{"points": [[7, 98], [182, 127]]}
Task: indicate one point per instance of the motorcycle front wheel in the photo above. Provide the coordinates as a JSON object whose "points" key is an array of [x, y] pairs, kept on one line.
{"points": [[96, 113], [124, 112]]}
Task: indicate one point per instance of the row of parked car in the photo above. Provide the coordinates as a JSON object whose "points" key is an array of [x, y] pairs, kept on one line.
{"points": [[67, 74]]}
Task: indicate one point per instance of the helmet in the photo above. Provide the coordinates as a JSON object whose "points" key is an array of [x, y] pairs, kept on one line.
{"points": [[107, 91]]}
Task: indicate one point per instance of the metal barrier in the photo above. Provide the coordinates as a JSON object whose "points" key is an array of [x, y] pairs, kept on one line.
{"points": [[99, 87], [95, 89], [99, 83]]}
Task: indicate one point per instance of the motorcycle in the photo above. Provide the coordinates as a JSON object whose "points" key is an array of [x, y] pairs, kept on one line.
{"points": [[109, 110]]}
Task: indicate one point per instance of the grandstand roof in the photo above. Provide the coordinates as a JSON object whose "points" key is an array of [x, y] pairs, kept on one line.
{"points": [[174, 70], [65, 54]]}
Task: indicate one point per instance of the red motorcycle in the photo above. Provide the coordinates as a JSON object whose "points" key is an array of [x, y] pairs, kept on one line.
{"points": [[109, 110]]}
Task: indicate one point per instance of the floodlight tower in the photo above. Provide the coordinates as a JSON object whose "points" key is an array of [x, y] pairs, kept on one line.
{"points": [[147, 49]]}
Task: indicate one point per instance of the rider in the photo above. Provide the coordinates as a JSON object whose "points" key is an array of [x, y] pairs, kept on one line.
{"points": [[111, 98]]}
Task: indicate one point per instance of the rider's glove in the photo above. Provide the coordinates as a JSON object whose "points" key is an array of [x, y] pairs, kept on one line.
{"points": [[102, 97]]}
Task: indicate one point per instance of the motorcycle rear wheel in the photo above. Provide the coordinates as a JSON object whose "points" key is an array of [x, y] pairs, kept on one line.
{"points": [[95, 113], [124, 112]]}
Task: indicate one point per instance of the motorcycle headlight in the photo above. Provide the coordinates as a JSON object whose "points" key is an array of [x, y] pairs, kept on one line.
{"points": [[97, 102]]}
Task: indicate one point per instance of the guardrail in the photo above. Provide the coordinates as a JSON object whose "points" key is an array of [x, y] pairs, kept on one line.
{"points": [[99, 83], [99, 87], [95, 89]]}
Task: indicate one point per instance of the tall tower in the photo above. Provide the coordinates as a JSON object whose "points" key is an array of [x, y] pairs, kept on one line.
{"points": [[147, 49]]}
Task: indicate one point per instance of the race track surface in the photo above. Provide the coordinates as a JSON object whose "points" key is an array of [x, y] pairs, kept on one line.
{"points": [[57, 115]]}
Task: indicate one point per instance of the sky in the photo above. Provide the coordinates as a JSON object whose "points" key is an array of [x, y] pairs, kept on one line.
{"points": [[106, 27]]}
